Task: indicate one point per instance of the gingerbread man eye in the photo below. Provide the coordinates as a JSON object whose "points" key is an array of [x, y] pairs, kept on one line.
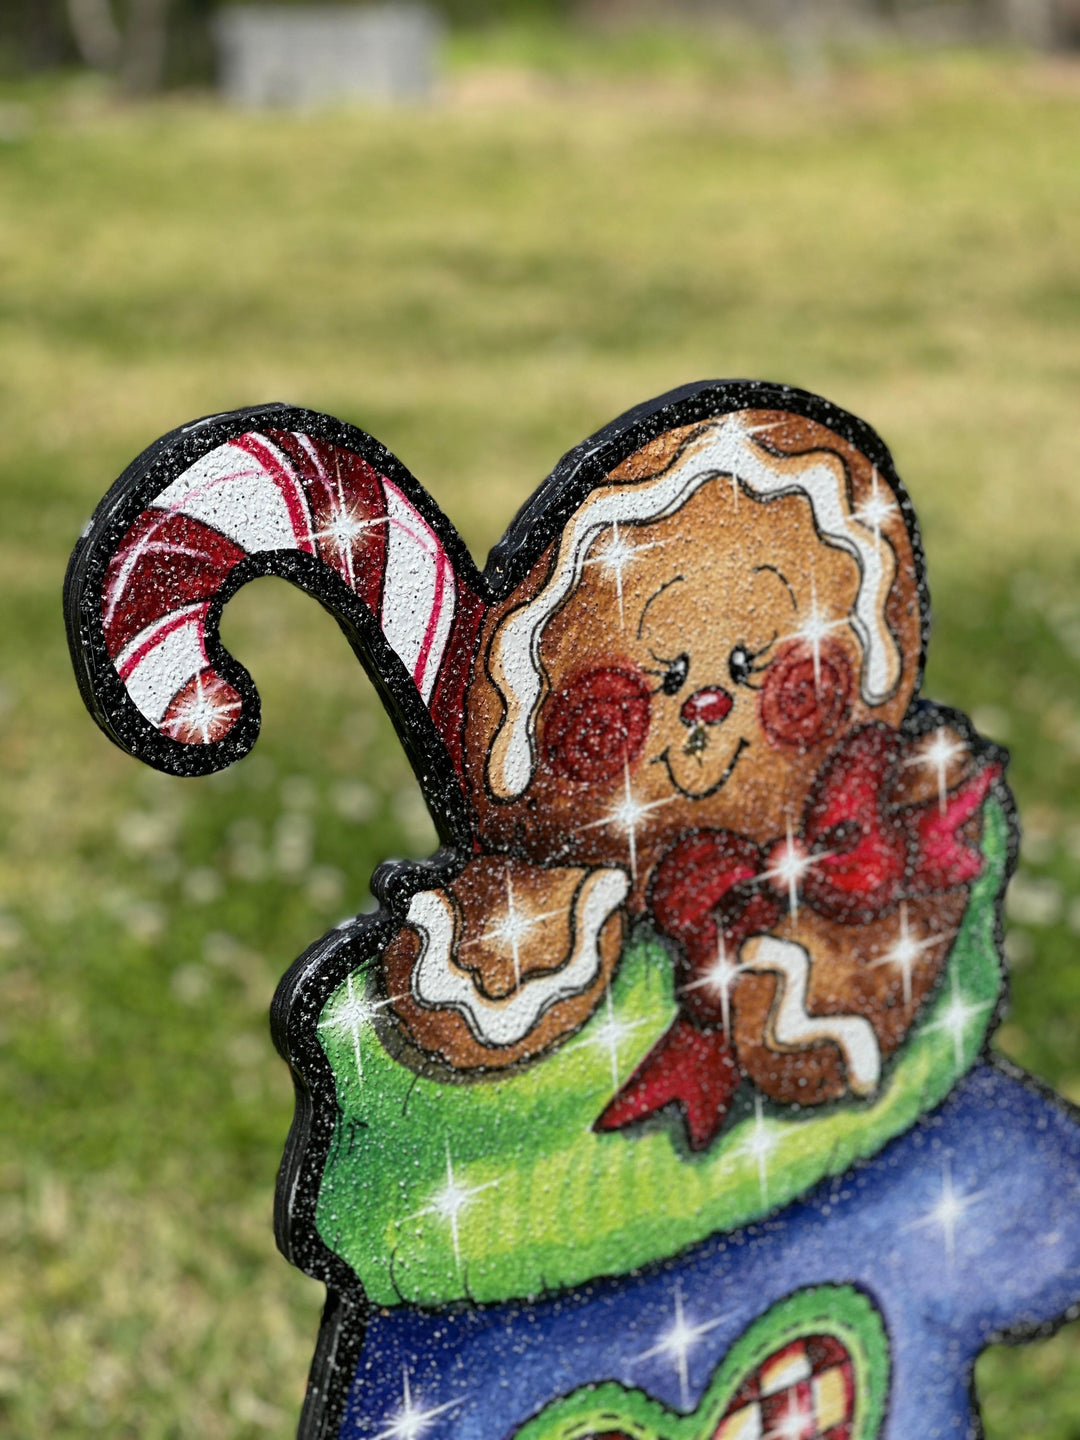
{"points": [[675, 675], [743, 662], [740, 664]]}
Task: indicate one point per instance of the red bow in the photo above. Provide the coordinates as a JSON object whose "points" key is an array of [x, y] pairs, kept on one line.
{"points": [[854, 858]]}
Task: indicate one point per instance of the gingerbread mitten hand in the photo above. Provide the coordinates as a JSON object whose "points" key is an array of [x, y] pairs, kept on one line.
{"points": [[506, 960]]}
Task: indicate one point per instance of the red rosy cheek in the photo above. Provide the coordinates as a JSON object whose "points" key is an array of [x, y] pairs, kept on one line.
{"points": [[596, 723], [803, 703]]}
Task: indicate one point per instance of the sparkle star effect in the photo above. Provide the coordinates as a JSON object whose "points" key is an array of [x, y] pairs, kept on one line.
{"points": [[201, 712], [814, 630], [344, 524], [876, 510], [718, 980], [759, 1145], [449, 1202], [412, 1420], [616, 558], [949, 1210], [905, 950], [936, 755], [792, 1424], [956, 1020], [356, 1013], [514, 927], [343, 527], [677, 1342], [627, 814], [609, 1036], [743, 431], [790, 862]]}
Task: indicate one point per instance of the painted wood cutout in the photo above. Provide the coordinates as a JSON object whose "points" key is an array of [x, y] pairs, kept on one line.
{"points": [[658, 1103]]}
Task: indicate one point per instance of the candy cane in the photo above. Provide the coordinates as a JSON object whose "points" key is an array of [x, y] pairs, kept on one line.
{"points": [[273, 491]]}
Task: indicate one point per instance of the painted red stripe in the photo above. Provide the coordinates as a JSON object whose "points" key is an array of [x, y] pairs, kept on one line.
{"points": [[441, 567], [166, 562], [335, 479], [447, 703], [176, 621], [288, 484]]}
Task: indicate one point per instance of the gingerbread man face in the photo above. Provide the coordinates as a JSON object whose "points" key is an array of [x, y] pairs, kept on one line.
{"points": [[703, 658]]}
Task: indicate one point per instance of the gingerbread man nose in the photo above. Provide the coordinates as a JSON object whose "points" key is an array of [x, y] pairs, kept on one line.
{"points": [[706, 707]]}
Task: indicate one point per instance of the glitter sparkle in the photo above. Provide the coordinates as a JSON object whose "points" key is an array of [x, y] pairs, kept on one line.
{"points": [[677, 1342], [905, 951], [745, 432], [616, 558], [355, 1014], [514, 927], [609, 1036], [201, 712], [937, 755], [792, 1424], [874, 512], [449, 1203], [412, 1420], [948, 1211], [342, 530], [814, 630], [790, 863], [718, 980], [956, 1020], [759, 1145], [344, 525], [627, 814]]}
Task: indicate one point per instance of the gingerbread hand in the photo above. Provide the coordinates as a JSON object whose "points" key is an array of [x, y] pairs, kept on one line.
{"points": [[507, 959]]}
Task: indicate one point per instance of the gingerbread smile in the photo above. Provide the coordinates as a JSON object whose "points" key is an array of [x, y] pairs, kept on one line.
{"points": [[664, 758]]}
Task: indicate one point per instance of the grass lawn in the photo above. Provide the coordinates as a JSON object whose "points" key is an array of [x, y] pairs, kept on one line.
{"points": [[479, 284]]}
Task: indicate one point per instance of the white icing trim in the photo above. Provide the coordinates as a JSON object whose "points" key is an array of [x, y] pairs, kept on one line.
{"points": [[722, 448], [789, 1027], [438, 983]]}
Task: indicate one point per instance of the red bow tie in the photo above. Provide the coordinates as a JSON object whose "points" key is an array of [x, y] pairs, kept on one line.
{"points": [[853, 859]]}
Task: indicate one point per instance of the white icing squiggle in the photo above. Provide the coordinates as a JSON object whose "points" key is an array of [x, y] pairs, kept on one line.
{"points": [[723, 448], [789, 1027], [438, 983]]}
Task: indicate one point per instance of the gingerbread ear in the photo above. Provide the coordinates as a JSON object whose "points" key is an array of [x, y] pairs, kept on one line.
{"points": [[269, 491]]}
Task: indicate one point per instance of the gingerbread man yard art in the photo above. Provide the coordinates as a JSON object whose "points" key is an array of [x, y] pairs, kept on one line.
{"points": [[657, 1103]]}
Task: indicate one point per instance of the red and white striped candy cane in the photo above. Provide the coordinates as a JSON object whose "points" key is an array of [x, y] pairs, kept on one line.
{"points": [[273, 491]]}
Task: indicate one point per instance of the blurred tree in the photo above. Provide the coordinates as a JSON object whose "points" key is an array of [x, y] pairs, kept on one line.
{"points": [[130, 43], [1032, 22], [33, 35], [145, 44]]}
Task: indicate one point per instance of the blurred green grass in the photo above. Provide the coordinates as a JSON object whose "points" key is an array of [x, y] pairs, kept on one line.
{"points": [[479, 284]]}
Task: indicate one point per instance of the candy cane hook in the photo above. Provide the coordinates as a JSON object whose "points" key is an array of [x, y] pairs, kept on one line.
{"points": [[284, 492]]}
